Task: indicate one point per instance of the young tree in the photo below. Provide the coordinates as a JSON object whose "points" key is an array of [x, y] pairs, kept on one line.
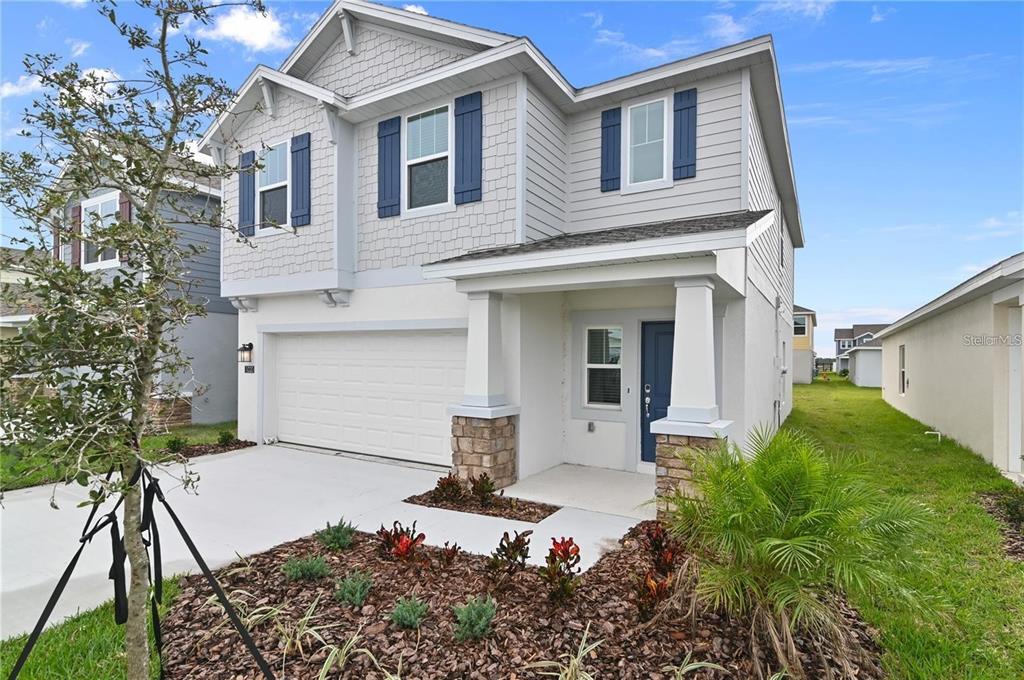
{"points": [[80, 377]]}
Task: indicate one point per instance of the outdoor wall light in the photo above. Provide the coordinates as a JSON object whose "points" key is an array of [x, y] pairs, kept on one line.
{"points": [[245, 353]]}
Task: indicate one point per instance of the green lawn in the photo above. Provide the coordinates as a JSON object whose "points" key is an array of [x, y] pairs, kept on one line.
{"points": [[978, 630], [87, 646], [19, 467]]}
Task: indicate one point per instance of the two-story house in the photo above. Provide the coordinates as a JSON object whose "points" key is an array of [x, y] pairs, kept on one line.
{"points": [[209, 392], [457, 257], [804, 321], [858, 353]]}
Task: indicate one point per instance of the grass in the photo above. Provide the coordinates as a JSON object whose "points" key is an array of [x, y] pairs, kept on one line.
{"points": [[977, 628], [20, 468], [89, 645]]}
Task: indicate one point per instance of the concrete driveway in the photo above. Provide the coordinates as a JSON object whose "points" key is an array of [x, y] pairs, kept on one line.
{"points": [[249, 501]]}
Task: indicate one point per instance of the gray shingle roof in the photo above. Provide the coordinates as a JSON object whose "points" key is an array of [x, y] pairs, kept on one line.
{"points": [[695, 225], [802, 310]]}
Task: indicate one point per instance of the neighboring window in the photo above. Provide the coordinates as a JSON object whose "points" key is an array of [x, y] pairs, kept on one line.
{"points": [[101, 210], [603, 368], [426, 154], [799, 325], [272, 187], [903, 369], [647, 133], [845, 344]]}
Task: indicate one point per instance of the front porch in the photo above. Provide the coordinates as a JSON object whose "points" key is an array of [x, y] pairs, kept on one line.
{"points": [[610, 492]]}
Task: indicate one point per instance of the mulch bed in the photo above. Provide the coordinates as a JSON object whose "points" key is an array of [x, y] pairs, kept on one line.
{"points": [[527, 628], [1013, 534], [196, 450], [500, 506]]}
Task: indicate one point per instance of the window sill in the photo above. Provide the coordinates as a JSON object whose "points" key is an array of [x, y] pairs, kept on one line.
{"points": [[652, 185], [97, 266], [267, 232], [428, 210]]}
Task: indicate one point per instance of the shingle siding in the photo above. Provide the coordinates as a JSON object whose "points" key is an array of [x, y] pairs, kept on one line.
{"points": [[311, 248], [715, 189], [381, 58], [397, 242]]}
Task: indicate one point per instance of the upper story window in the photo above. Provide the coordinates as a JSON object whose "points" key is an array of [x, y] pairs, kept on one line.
{"points": [[428, 179], [604, 367], [845, 344], [272, 187], [799, 325], [99, 211], [647, 135]]}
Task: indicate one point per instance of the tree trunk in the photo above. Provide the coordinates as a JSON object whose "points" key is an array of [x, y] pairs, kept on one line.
{"points": [[136, 637]]}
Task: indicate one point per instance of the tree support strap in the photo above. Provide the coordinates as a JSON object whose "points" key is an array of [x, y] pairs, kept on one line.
{"points": [[151, 491]]}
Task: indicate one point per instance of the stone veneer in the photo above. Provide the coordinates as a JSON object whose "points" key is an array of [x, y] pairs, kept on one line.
{"points": [[672, 467], [482, 445]]}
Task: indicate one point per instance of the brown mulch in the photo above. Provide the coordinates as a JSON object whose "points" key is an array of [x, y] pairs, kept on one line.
{"points": [[1013, 534], [196, 450], [527, 628], [500, 506]]}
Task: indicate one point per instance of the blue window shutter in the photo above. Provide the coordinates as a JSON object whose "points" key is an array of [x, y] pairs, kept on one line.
{"points": [[247, 194], [684, 135], [389, 167], [300, 181], [469, 148], [611, 149]]}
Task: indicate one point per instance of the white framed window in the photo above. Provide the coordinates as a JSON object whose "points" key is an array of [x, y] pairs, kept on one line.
{"points": [[99, 210], [273, 199], [428, 174], [603, 367], [799, 325], [903, 369], [647, 147], [845, 344]]}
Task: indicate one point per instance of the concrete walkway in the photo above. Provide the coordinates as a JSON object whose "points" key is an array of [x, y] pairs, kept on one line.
{"points": [[249, 501]]}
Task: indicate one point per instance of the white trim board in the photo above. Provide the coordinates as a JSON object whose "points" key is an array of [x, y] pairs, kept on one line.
{"points": [[366, 326]]}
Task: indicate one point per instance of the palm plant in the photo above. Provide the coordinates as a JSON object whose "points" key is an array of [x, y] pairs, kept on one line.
{"points": [[783, 531], [573, 667]]}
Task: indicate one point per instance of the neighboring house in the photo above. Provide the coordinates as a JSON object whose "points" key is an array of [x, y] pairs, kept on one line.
{"points": [[21, 309], [824, 364], [865, 363], [211, 342], [956, 364], [848, 338], [804, 321], [479, 263]]}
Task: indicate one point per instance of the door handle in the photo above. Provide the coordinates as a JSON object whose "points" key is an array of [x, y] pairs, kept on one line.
{"points": [[647, 401]]}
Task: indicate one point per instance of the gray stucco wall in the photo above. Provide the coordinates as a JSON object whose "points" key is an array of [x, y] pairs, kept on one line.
{"points": [[401, 241], [211, 343]]}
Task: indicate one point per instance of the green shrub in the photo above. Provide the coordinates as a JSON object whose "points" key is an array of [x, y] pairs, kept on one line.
{"points": [[176, 444], [473, 621], [449, 488], [1012, 503], [409, 612], [225, 437], [305, 568], [845, 372], [482, 488], [354, 588], [337, 537], [782, 532]]}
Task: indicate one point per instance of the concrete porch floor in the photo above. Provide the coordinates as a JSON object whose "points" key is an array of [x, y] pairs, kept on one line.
{"points": [[612, 492]]}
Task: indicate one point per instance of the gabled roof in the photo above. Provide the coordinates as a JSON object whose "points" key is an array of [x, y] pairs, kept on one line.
{"points": [[858, 330], [802, 310], [1002, 273]]}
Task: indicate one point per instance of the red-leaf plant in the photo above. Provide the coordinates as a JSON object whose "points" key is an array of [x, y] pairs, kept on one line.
{"points": [[449, 488], [510, 556], [652, 589], [662, 548], [449, 553], [400, 542], [562, 570]]}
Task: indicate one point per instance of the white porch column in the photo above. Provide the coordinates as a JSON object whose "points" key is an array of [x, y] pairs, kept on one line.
{"points": [[694, 397], [485, 370]]}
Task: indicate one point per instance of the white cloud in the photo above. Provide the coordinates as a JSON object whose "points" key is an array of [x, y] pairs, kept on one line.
{"points": [[416, 9], [869, 66], [596, 19], [15, 131], [78, 47], [880, 15], [247, 27], [44, 25], [105, 86], [74, 3], [811, 9], [725, 28], [673, 49], [1004, 226], [24, 85]]}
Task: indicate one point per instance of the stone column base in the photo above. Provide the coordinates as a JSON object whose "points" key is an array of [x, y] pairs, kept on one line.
{"points": [[673, 469], [169, 412], [482, 445]]}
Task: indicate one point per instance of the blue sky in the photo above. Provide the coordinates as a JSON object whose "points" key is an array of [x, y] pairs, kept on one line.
{"points": [[905, 118]]}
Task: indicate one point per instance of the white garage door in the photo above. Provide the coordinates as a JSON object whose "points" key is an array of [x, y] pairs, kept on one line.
{"points": [[382, 393]]}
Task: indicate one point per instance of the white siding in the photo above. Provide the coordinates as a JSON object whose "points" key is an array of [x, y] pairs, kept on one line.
{"points": [[311, 248], [402, 241], [546, 159], [715, 189], [381, 58]]}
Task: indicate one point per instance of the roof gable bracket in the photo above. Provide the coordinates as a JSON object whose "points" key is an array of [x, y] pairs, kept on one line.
{"points": [[217, 150], [332, 120], [348, 29], [268, 96]]}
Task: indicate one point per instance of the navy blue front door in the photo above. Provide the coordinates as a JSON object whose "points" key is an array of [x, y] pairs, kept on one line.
{"points": [[655, 379]]}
